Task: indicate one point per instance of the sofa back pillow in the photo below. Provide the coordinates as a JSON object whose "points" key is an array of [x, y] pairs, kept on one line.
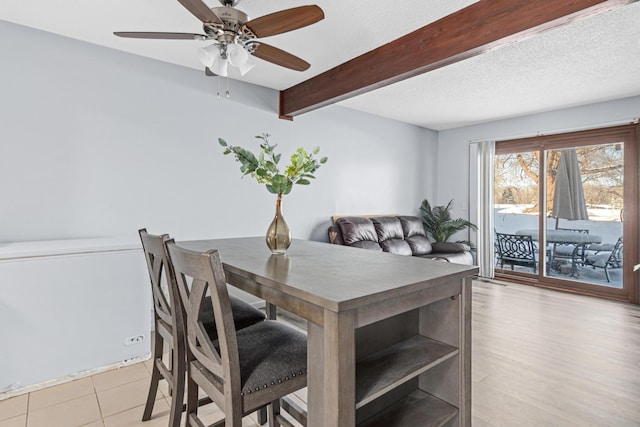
{"points": [[411, 226], [358, 231], [389, 232], [415, 235]]}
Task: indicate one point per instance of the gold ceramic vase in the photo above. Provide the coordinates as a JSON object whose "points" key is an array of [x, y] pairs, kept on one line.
{"points": [[278, 235]]}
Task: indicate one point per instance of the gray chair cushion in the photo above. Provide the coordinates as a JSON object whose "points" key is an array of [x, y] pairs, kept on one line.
{"points": [[244, 314], [270, 353]]}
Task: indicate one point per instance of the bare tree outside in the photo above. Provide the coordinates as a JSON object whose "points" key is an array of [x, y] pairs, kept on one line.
{"points": [[517, 177]]}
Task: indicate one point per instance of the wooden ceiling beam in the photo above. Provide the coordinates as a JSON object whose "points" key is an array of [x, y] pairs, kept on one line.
{"points": [[476, 29]]}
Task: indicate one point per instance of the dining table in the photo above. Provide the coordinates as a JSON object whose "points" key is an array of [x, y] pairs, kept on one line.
{"points": [[389, 336]]}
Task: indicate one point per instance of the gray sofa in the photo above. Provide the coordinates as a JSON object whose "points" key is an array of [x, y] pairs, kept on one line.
{"points": [[401, 235]]}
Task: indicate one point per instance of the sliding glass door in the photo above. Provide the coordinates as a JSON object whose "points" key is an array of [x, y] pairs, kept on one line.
{"points": [[566, 211]]}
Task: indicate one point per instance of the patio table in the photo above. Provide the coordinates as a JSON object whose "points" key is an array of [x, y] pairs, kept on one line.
{"points": [[580, 240], [563, 236]]}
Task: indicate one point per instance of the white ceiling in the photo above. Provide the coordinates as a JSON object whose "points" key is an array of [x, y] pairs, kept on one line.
{"points": [[595, 59]]}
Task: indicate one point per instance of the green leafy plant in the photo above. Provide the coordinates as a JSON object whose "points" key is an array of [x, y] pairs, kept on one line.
{"points": [[438, 223], [264, 168]]}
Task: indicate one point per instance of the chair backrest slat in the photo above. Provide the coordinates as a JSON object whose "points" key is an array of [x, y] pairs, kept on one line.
{"points": [[196, 273], [155, 256]]}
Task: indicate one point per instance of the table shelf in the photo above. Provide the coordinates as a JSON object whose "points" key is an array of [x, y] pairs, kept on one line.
{"points": [[416, 409], [386, 369]]}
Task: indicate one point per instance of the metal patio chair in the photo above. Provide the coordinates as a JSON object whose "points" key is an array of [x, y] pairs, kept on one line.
{"points": [[606, 259], [514, 249]]}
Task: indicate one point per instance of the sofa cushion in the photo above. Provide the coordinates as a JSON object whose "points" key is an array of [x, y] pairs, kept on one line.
{"points": [[356, 229], [387, 227], [411, 226], [390, 236], [396, 246], [414, 235], [419, 245], [367, 244]]}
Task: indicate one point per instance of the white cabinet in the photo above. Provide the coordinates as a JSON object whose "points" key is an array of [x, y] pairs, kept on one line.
{"points": [[70, 307]]}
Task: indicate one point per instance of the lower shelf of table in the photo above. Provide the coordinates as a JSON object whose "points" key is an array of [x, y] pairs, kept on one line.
{"points": [[416, 409], [386, 369]]}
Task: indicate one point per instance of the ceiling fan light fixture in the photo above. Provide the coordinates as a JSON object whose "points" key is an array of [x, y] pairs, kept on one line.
{"points": [[208, 54], [246, 67], [220, 66], [237, 54]]}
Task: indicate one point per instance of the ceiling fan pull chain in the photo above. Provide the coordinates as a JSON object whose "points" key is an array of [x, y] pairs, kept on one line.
{"points": [[218, 94], [228, 94]]}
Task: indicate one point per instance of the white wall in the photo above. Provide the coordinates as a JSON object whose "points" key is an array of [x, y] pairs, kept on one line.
{"points": [[96, 142]]}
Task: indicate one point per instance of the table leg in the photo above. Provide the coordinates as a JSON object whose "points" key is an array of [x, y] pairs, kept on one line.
{"points": [[331, 365], [579, 248]]}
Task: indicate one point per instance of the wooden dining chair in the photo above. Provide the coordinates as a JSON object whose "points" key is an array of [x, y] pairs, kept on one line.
{"points": [[240, 370], [169, 326]]}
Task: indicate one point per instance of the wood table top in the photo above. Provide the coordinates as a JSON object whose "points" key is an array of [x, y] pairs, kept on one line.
{"points": [[334, 277]]}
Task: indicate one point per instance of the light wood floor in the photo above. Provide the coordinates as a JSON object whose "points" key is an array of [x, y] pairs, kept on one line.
{"points": [[546, 358], [540, 358]]}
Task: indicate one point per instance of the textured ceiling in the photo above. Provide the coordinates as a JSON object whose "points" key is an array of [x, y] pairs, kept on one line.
{"points": [[592, 60]]}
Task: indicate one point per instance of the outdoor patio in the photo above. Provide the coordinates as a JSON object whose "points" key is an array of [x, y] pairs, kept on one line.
{"points": [[604, 223]]}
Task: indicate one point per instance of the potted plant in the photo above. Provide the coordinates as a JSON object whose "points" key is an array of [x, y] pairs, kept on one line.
{"points": [[265, 169], [438, 223]]}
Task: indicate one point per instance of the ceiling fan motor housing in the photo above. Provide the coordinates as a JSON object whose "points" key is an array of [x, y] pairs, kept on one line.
{"points": [[230, 16], [232, 28]]}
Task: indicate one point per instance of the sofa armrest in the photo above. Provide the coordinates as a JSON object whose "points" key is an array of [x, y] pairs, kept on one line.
{"points": [[450, 247], [335, 235]]}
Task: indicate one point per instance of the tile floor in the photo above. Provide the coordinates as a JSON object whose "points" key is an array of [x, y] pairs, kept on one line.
{"points": [[109, 399], [114, 398]]}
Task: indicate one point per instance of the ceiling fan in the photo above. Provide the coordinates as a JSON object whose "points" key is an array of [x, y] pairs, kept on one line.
{"points": [[235, 37]]}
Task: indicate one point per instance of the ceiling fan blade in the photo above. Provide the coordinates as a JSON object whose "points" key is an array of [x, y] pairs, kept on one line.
{"points": [[285, 20], [208, 72], [280, 57], [200, 11], [150, 35]]}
